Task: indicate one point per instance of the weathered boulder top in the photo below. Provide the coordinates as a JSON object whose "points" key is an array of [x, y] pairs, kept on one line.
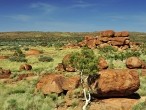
{"points": [[133, 62], [57, 83], [116, 83]]}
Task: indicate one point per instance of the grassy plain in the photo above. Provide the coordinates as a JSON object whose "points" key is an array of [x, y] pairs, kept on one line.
{"points": [[20, 95]]}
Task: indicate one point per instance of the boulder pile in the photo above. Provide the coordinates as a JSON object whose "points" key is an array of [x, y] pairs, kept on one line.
{"points": [[110, 83], [119, 40]]}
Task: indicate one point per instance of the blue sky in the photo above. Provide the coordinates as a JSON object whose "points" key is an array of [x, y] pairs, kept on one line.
{"points": [[72, 15]]}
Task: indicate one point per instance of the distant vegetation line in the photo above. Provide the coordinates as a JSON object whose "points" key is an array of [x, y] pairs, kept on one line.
{"points": [[53, 38]]}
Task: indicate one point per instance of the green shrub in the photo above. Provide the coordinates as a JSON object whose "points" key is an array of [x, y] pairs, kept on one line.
{"points": [[18, 56], [17, 59], [108, 49], [142, 89], [18, 53], [26, 48], [45, 59], [12, 105], [85, 60], [122, 55]]}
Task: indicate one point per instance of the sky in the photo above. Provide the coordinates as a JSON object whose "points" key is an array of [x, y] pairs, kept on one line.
{"points": [[72, 15]]}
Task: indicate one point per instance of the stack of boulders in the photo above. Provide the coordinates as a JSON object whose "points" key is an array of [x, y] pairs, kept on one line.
{"points": [[110, 83], [136, 63], [119, 40]]}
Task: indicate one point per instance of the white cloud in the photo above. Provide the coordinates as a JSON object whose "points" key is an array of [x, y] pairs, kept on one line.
{"points": [[43, 7], [82, 4], [20, 17]]}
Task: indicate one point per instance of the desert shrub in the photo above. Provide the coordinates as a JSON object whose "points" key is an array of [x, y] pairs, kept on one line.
{"points": [[18, 52], [18, 56], [122, 55], [85, 60], [142, 89], [12, 105], [45, 59], [17, 59], [26, 48], [44, 44], [58, 44], [75, 103], [107, 49]]}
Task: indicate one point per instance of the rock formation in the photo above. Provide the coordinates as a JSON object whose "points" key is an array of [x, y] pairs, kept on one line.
{"points": [[135, 62], [109, 38], [25, 67], [55, 83], [116, 83], [4, 73]]}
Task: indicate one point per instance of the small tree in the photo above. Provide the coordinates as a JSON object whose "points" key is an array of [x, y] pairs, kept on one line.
{"points": [[85, 61]]}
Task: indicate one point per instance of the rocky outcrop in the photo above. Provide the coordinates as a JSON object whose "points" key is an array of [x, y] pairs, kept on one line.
{"points": [[109, 38], [26, 67], [55, 83], [116, 82], [4, 73]]}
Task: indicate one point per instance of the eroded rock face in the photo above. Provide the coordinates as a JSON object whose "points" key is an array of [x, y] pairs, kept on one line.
{"points": [[55, 83], [51, 83], [133, 62], [116, 82]]}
